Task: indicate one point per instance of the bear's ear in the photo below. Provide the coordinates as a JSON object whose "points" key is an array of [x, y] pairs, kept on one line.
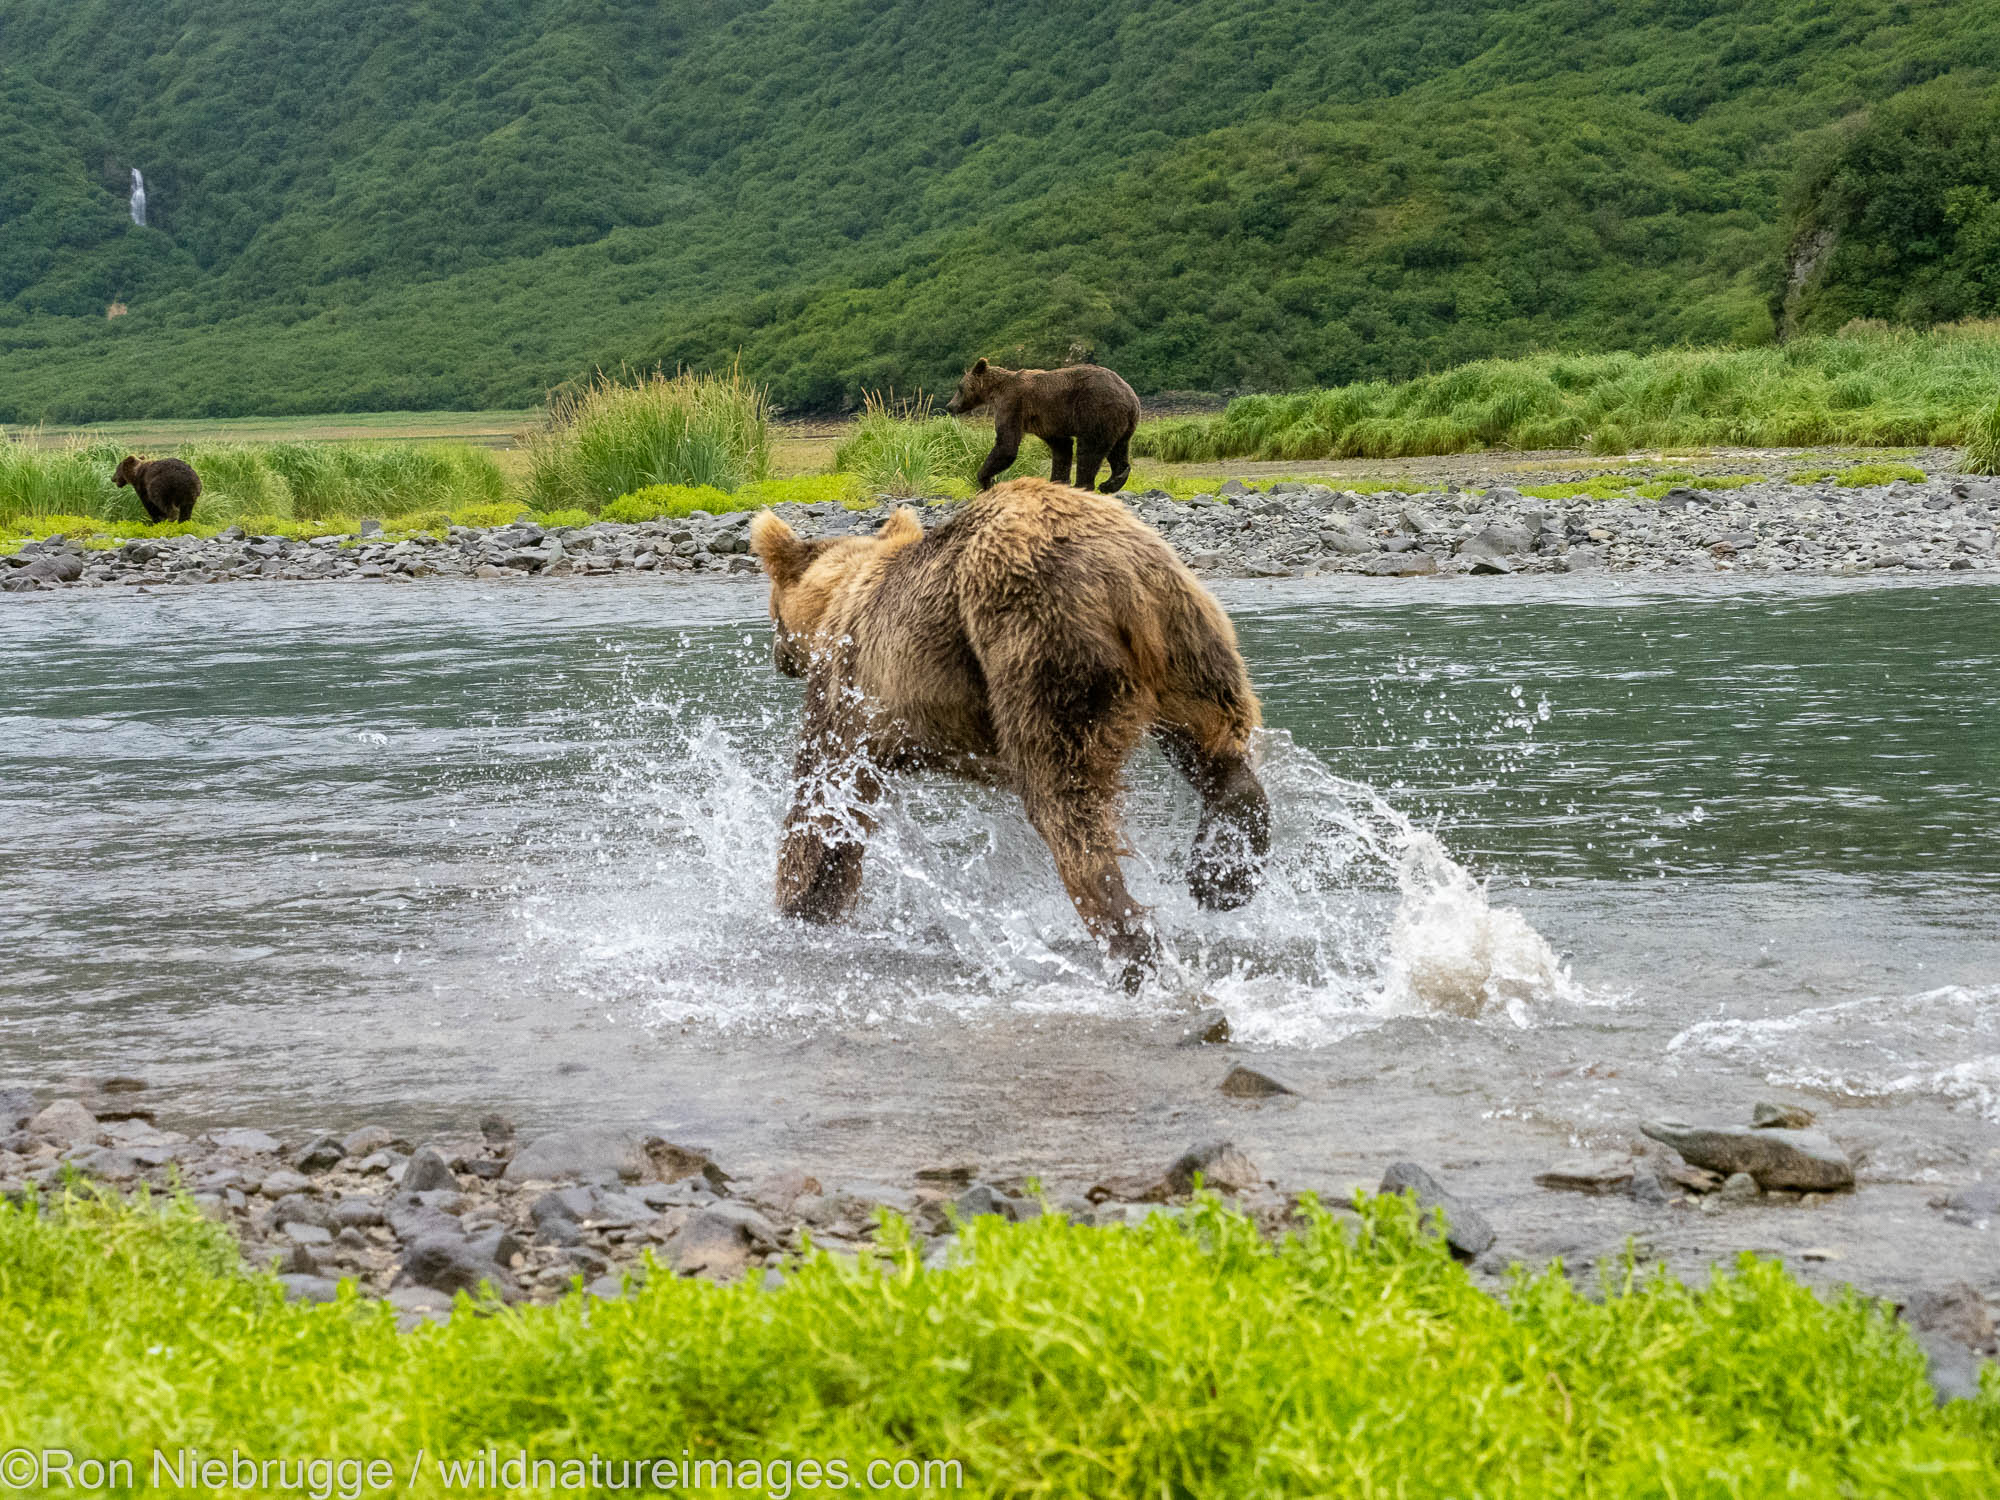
{"points": [[779, 548], [900, 529], [980, 368]]}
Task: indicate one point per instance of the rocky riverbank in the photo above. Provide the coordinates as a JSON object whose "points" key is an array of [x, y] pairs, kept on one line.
{"points": [[534, 1219], [1291, 528]]}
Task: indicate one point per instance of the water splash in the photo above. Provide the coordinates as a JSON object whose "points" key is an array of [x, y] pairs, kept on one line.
{"points": [[669, 910]]}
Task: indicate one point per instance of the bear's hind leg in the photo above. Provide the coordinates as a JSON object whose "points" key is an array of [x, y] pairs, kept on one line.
{"points": [[1121, 466], [1089, 456], [1080, 833], [1233, 838], [1060, 447]]}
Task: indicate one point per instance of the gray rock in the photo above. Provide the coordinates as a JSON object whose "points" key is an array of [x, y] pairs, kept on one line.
{"points": [[301, 1209], [323, 1155], [606, 1288], [1468, 1234], [309, 1288], [1247, 1083], [448, 1263], [497, 1245], [277, 1184], [1976, 1206], [1400, 565], [982, 1199], [66, 1123], [300, 1233], [1490, 566], [1739, 1187], [592, 1153], [368, 1140], [248, 1142], [718, 1241], [427, 1172], [498, 1130], [1221, 1167], [1776, 1158], [1206, 1028], [1954, 1329], [1602, 1175], [1769, 1115], [1495, 542], [357, 1213]]}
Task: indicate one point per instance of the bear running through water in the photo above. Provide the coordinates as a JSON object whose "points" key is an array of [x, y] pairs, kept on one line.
{"points": [[168, 487], [1030, 640], [1086, 407]]}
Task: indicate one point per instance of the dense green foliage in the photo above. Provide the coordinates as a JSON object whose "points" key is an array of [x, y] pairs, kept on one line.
{"points": [[375, 205], [1898, 217], [1982, 447], [1865, 388], [1186, 1359], [612, 437]]}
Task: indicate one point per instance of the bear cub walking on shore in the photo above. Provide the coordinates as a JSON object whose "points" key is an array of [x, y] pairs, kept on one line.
{"points": [[1086, 407], [167, 487], [1030, 640]]}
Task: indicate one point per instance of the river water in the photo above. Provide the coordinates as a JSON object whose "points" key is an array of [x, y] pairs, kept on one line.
{"points": [[1551, 858]]}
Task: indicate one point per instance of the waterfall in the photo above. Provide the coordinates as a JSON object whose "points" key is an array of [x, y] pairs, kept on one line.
{"points": [[138, 199]]}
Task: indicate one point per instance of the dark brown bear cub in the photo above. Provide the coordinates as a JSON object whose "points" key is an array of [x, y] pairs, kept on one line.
{"points": [[167, 487], [1031, 640], [1084, 406]]}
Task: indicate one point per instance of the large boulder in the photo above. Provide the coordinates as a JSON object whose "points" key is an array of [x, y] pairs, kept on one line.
{"points": [[1798, 1159], [1468, 1233]]}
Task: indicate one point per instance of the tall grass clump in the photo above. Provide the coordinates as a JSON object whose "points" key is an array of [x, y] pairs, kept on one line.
{"points": [[1864, 387], [1982, 444], [382, 479], [912, 448], [1183, 1358], [615, 436], [71, 480]]}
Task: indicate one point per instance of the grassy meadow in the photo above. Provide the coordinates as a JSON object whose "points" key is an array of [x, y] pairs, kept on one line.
{"points": [[642, 447], [1189, 1357], [1860, 388]]}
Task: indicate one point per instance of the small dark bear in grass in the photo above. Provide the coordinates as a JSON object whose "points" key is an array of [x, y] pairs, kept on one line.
{"points": [[167, 487], [1086, 407]]}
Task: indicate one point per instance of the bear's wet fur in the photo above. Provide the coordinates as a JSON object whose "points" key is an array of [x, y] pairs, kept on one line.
{"points": [[1029, 640], [1086, 407], [167, 487]]}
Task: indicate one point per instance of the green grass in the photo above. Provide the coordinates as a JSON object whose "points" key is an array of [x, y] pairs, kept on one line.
{"points": [[662, 500], [910, 448], [268, 482], [1982, 447], [1861, 474], [1184, 1359], [614, 437], [1868, 388]]}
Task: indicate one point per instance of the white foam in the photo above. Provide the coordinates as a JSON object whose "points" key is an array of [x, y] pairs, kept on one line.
{"points": [[1942, 1043], [667, 908]]}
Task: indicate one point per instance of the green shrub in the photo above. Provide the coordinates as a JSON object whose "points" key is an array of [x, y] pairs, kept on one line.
{"points": [[73, 480], [1861, 474], [1179, 1358], [911, 448], [613, 437]]}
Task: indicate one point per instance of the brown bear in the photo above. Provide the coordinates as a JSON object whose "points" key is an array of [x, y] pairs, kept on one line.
{"points": [[1029, 640], [1084, 405], [167, 487]]}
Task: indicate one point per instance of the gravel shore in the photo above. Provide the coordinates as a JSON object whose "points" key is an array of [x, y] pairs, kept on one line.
{"points": [[1292, 528]]}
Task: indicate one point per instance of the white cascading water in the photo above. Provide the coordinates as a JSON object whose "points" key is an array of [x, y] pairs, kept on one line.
{"points": [[1363, 916], [138, 199]]}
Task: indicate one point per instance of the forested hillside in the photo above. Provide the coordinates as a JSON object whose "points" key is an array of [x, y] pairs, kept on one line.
{"points": [[381, 204]]}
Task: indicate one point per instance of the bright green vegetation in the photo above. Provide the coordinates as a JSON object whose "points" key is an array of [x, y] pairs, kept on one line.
{"points": [[1860, 474], [615, 437], [276, 484], [1613, 486], [368, 205], [1865, 388], [1982, 448], [662, 500], [1185, 1359]]}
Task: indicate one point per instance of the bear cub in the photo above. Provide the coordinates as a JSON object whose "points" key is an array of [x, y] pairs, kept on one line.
{"points": [[1085, 407], [167, 487]]}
